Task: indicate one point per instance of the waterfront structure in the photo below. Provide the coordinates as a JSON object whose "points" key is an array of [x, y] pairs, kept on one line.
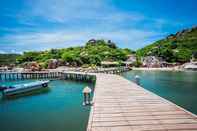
{"points": [[121, 105], [55, 74]]}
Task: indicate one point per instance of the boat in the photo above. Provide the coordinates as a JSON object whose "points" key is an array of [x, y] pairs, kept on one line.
{"points": [[23, 88]]}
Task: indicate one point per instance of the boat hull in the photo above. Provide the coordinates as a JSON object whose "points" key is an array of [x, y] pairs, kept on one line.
{"points": [[25, 89]]}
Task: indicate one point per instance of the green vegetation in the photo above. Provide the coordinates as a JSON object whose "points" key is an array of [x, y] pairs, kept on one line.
{"points": [[138, 62], [90, 54], [179, 47], [8, 59]]}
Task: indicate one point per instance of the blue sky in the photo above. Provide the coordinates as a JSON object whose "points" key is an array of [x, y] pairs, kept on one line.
{"points": [[42, 24]]}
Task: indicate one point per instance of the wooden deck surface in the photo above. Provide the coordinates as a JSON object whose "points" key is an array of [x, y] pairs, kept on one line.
{"points": [[121, 105]]}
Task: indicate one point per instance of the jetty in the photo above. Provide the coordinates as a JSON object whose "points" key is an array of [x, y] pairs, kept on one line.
{"points": [[58, 74], [121, 105]]}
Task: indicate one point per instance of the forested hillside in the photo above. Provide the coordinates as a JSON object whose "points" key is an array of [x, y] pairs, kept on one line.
{"points": [[7, 59], [179, 47], [93, 52]]}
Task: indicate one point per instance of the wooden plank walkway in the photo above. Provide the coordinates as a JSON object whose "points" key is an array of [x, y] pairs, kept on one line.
{"points": [[121, 105]]}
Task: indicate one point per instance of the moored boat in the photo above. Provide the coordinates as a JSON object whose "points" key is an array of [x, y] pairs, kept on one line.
{"points": [[22, 88]]}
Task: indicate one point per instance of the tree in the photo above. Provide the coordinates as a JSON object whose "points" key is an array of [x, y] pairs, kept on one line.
{"points": [[167, 54], [92, 53], [194, 54], [183, 55], [28, 57], [7, 59], [112, 45]]}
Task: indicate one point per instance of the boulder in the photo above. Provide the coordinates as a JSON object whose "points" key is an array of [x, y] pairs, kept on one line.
{"points": [[54, 63], [33, 66]]}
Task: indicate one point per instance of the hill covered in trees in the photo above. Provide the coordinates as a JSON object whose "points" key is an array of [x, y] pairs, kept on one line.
{"points": [[92, 53], [8, 59], [179, 47]]}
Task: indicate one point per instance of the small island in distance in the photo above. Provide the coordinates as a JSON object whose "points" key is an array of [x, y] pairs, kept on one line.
{"points": [[176, 51]]}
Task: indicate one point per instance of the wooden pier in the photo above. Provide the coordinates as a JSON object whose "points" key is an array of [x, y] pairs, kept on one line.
{"points": [[112, 70], [79, 76], [8, 76], [120, 105]]}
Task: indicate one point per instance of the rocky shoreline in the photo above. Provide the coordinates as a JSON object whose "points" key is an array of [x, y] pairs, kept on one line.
{"points": [[158, 69]]}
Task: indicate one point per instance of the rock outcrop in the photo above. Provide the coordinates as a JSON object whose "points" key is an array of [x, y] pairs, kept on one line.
{"points": [[54, 63], [32, 66]]}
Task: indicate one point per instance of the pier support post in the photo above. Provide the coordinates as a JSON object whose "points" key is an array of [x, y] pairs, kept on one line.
{"points": [[137, 80]]}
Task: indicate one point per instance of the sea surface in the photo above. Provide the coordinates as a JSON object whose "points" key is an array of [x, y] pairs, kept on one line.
{"points": [[57, 108], [178, 87]]}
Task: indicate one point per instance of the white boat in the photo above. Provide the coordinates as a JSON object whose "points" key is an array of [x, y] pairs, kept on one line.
{"points": [[22, 88]]}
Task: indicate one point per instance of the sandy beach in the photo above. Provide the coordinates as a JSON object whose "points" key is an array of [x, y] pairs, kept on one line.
{"points": [[158, 69]]}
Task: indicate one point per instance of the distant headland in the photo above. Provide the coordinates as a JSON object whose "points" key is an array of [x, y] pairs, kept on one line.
{"points": [[176, 50]]}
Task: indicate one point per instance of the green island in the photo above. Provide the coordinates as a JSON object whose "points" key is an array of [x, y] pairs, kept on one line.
{"points": [[172, 51]]}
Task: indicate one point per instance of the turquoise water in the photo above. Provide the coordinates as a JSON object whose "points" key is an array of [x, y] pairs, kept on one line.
{"points": [[58, 108], [178, 87]]}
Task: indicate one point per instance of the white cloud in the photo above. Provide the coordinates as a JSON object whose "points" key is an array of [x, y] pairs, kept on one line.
{"points": [[67, 11], [60, 38], [73, 22], [64, 10]]}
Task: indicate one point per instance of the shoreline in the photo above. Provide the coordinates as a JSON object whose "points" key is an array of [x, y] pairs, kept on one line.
{"points": [[158, 69]]}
